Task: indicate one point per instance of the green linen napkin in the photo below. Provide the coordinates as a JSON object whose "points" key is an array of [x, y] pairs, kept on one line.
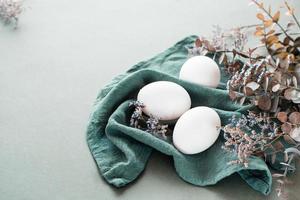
{"points": [[121, 152]]}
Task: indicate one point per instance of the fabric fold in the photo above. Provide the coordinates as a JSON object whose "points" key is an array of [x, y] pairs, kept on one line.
{"points": [[121, 152]]}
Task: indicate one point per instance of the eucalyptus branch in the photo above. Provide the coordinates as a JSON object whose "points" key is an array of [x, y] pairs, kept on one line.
{"points": [[271, 17], [243, 54]]}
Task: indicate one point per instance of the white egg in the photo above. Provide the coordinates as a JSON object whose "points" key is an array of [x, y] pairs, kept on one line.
{"points": [[164, 100], [201, 70], [196, 130]]}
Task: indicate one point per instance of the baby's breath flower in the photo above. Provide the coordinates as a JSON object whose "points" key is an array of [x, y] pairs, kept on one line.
{"points": [[10, 11]]}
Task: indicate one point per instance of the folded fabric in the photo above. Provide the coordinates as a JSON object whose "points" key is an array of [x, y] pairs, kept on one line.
{"points": [[121, 152]]}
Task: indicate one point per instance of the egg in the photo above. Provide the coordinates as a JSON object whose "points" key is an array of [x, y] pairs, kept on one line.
{"points": [[196, 130], [201, 70], [164, 99]]}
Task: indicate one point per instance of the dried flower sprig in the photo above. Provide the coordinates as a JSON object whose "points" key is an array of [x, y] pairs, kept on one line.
{"points": [[149, 124], [250, 135], [258, 135], [154, 127], [137, 115], [10, 11], [268, 80], [223, 41]]}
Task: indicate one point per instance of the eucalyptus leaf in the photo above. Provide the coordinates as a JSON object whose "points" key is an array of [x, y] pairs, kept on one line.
{"points": [[253, 85], [292, 150]]}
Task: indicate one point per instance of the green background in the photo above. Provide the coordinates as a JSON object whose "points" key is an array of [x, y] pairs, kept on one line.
{"points": [[51, 70]]}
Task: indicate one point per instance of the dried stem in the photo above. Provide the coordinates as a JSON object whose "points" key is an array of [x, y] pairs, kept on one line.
{"points": [[270, 16], [292, 13]]}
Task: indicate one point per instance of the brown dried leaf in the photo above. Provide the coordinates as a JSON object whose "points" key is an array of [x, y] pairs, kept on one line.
{"points": [[289, 93], [278, 145], [260, 16], [289, 140], [282, 55], [282, 116], [271, 32], [232, 94], [294, 118], [286, 41], [198, 42], [278, 46], [272, 39], [248, 91], [277, 75], [264, 102], [286, 127], [259, 28], [208, 45], [268, 23], [276, 16], [258, 33]]}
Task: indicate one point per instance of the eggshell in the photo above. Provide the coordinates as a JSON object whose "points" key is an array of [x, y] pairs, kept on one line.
{"points": [[164, 100], [196, 130], [201, 70]]}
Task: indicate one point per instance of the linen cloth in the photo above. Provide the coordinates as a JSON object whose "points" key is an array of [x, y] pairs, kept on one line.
{"points": [[121, 152]]}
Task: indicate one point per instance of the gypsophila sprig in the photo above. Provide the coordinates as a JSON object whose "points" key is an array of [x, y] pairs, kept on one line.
{"points": [[137, 114], [10, 11], [249, 135], [154, 127], [149, 124]]}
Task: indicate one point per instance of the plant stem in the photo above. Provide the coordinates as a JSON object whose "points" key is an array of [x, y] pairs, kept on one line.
{"points": [[269, 143], [246, 26], [238, 53], [265, 37], [289, 162], [293, 15], [270, 16]]}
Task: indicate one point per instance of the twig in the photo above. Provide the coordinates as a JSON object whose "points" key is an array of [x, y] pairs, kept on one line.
{"points": [[270, 16], [293, 15]]}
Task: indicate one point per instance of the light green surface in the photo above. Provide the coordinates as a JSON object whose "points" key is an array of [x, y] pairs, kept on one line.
{"points": [[51, 69]]}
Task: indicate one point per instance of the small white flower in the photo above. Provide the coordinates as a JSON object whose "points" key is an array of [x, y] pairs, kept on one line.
{"points": [[10, 10]]}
